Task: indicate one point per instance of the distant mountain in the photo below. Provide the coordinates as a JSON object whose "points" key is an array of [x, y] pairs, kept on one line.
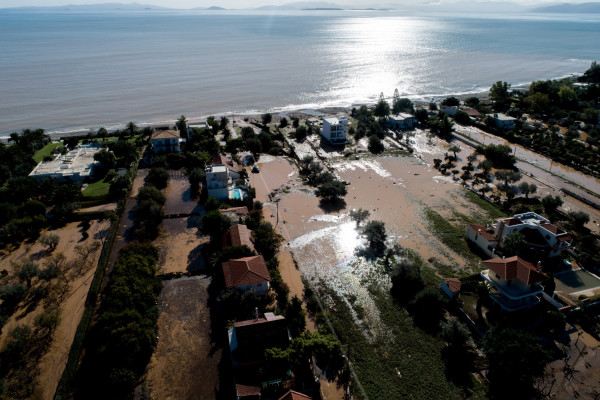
{"points": [[216, 8], [303, 5], [570, 8], [104, 7]]}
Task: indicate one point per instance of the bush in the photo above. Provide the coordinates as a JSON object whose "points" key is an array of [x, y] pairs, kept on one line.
{"points": [[427, 309], [407, 281], [159, 177], [151, 193], [462, 118], [11, 295], [375, 145]]}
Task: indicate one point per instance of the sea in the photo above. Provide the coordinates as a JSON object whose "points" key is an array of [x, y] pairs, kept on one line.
{"points": [[73, 71]]}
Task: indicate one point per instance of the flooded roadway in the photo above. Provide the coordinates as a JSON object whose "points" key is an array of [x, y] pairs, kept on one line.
{"points": [[541, 167]]}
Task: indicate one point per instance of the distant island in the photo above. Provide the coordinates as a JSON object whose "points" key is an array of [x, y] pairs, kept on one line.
{"points": [[570, 8]]}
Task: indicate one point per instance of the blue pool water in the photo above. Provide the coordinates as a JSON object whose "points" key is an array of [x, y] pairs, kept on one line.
{"points": [[238, 194]]}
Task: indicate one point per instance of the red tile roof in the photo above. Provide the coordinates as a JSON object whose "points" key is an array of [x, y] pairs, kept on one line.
{"points": [[481, 230], [293, 395], [269, 317], [165, 134], [515, 268], [453, 284], [552, 228], [245, 271], [228, 161], [511, 221], [472, 112], [243, 390], [565, 238], [238, 235]]}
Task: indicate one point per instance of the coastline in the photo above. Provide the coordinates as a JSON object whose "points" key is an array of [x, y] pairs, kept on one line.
{"points": [[324, 110]]}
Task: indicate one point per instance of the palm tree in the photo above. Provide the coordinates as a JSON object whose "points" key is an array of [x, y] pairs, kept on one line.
{"points": [[132, 128], [181, 125]]}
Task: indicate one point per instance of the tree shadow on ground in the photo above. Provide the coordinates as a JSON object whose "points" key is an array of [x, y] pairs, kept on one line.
{"points": [[196, 262], [333, 205], [218, 339]]}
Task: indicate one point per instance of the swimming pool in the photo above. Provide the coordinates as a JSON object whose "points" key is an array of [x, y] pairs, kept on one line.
{"points": [[238, 194]]}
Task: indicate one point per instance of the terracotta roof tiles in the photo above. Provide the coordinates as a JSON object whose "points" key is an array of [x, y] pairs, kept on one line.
{"points": [[481, 230], [165, 134], [515, 268], [293, 395], [238, 235], [453, 284], [245, 271]]}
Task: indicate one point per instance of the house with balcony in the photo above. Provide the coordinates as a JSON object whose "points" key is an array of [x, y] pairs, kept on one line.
{"points": [[224, 183], [513, 282], [166, 141], [248, 273], [401, 121], [334, 130], [503, 121], [542, 239]]}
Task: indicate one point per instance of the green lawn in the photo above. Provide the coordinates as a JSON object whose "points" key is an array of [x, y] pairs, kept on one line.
{"points": [[96, 189], [45, 151]]}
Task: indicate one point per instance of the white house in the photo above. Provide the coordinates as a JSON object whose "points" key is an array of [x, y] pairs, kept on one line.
{"points": [[220, 182], [334, 130], [503, 121], [401, 121], [166, 141], [514, 283], [74, 166], [248, 273], [483, 237], [538, 232], [542, 238]]}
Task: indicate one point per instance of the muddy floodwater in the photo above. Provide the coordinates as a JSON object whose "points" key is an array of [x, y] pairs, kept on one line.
{"points": [[324, 240]]}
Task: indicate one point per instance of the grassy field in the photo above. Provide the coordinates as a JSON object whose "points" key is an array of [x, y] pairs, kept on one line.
{"points": [[402, 362], [452, 235], [492, 211], [45, 151], [96, 189]]}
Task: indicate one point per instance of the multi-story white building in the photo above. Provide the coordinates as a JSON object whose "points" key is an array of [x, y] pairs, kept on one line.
{"points": [[542, 238], [401, 121], [334, 130], [514, 283], [221, 183]]}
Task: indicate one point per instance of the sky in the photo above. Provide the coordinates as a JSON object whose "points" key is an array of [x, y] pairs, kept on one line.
{"points": [[249, 3]]}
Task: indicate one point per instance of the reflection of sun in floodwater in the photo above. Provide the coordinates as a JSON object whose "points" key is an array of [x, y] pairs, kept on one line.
{"points": [[328, 256]]}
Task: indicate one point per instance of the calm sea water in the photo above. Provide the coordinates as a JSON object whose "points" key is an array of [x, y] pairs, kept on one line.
{"points": [[69, 71]]}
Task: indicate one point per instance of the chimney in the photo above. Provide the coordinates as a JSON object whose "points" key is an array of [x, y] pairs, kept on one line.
{"points": [[256, 312]]}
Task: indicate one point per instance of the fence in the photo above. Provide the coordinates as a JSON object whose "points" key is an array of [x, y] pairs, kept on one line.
{"points": [[65, 384]]}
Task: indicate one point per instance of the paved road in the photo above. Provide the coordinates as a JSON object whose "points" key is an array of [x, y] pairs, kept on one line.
{"points": [[540, 167]]}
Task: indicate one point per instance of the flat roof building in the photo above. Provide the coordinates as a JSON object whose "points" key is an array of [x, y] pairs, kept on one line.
{"points": [[74, 166]]}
